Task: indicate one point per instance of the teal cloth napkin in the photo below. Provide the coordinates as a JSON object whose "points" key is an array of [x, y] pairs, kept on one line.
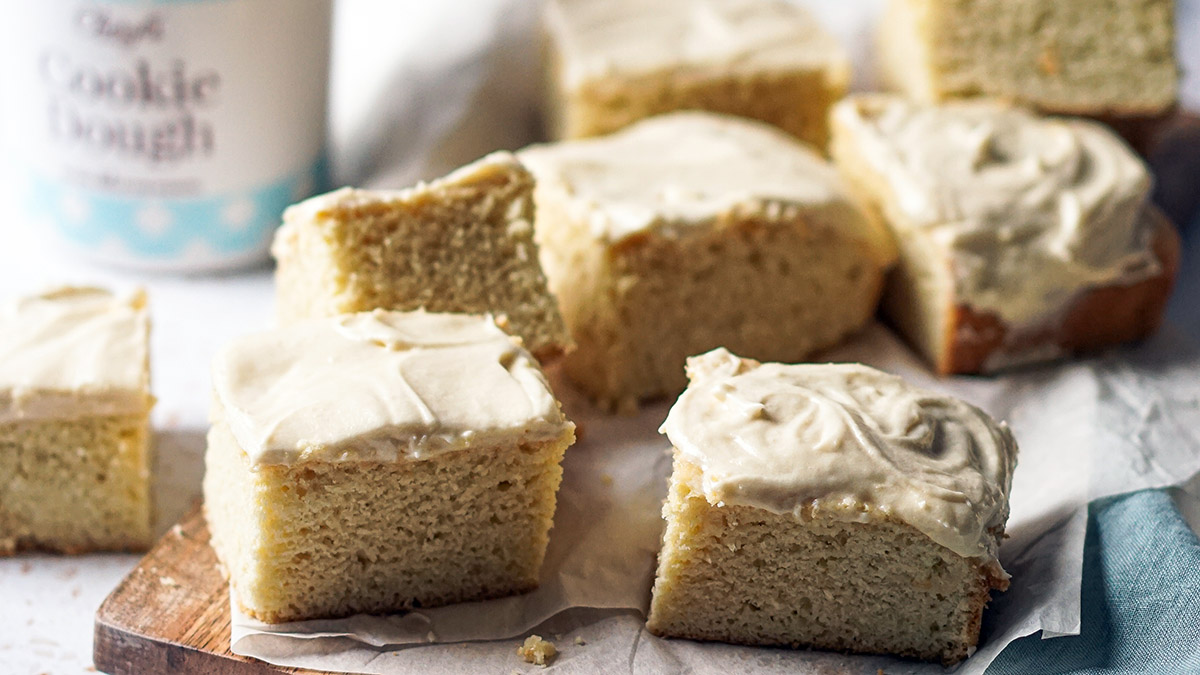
{"points": [[1140, 608], [1141, 596]]}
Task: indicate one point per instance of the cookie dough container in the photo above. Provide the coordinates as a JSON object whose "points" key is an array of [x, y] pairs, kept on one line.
{"points": [[163, 134]]}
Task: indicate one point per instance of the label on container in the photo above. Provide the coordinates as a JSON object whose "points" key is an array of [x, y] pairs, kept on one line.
{"points": [[165, 134]]}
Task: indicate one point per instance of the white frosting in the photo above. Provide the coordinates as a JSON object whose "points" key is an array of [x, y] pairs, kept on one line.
{"points": [[845, 441], [74, 352], [636, 37], [1030, 210], [691, 170], [345, 388]]}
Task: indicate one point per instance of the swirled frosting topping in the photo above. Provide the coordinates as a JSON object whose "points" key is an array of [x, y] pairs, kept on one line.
{"points": [[685, 172], [73, 351], [845, 441], [1031, 209], [346, 388]]}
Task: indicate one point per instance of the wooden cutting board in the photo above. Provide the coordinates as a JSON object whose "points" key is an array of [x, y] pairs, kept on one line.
{"points": [[171, 614]]}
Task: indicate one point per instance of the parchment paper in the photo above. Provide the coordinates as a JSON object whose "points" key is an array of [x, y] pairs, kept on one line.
{"points": [[1091, 428]]}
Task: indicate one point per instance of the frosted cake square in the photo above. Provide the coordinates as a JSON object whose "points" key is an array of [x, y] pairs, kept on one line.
{"points": [[690, 231], [610, 64], [74, 422], [830, 506], [462, 243], [1022, 238], [380, 461]]}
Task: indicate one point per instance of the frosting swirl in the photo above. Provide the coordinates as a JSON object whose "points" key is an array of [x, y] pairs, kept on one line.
{"points": [[1030, 210], [845, 441]]}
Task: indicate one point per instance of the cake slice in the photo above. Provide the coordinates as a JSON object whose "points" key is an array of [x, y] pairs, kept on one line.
{"points": [[691, 231], [74, 421], [831, 506], [1022, 238], [461, 244], [380, 461], [1115, 59], [613, 63]]}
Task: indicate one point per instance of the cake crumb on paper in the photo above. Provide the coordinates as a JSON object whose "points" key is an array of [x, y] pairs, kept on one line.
{"points": [[430, 637], [580, 641], [537, 651]]}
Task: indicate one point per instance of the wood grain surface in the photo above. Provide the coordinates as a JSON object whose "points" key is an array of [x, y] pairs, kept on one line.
{"points": [[171, 614]]}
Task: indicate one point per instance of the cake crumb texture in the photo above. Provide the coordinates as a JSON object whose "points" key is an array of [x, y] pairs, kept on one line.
{"points": [[331, 539], [749, 576], [537, 651], [462, 244], [73, 486], [1055, 56]]}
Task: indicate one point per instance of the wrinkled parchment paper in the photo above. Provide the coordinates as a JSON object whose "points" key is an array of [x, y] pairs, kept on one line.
{"points": [[461, 84]]}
